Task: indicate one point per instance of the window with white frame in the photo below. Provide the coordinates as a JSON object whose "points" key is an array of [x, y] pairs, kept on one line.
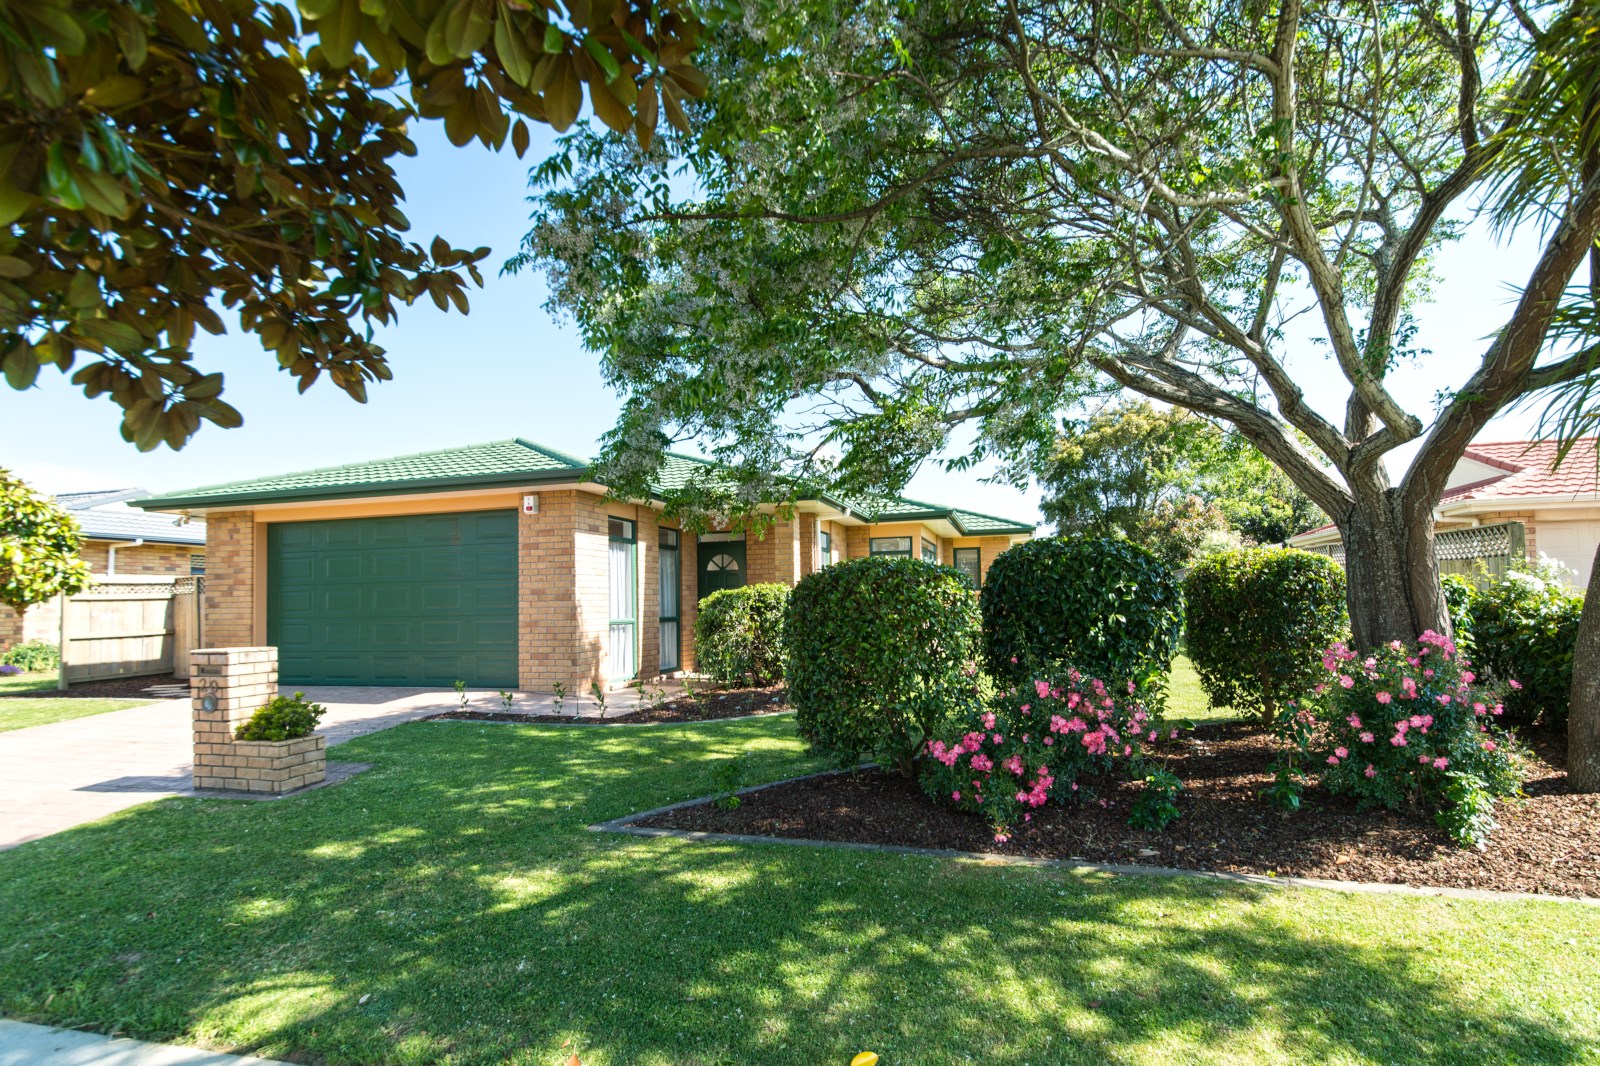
{"points": [[623, 569], [670, 578]]}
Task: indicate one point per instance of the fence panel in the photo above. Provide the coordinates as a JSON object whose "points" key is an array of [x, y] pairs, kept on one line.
{"points": [[1461, 551], [126, 627]]}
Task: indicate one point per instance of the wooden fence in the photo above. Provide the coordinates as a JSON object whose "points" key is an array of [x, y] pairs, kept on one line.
{"points": [[129, 626]]}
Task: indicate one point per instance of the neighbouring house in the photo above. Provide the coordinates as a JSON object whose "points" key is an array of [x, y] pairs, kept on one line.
{"points": [[500, 565], [1512, 482], [118, 541]]}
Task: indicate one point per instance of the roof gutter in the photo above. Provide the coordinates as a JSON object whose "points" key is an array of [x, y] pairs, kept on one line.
{"points": [[111, 553]]}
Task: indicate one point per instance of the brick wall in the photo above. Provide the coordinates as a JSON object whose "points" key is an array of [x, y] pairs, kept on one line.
{"points": [[144, 559], [547, 604], [775, 556], [857, 542], [809, 526], [231, 579], [10, 627]]}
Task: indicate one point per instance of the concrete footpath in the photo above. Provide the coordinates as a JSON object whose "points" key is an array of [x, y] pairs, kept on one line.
{"points": [[23, 1044]]}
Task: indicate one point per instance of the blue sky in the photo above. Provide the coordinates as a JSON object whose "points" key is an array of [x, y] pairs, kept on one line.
{"points": [[508, 369]]}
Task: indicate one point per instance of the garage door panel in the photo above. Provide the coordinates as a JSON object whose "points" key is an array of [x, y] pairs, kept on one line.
{"points": [[421, 600]]}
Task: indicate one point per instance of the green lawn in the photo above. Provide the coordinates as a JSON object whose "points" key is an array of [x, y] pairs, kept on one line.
{"points": [[1186, 699], [449, 906], [22, 713]]}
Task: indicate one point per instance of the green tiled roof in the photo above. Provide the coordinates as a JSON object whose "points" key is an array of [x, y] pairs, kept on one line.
{"points": [[521, 462], [499, 462]]}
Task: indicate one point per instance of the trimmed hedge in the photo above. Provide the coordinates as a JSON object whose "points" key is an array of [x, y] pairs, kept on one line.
{"points": [[1522, 627], [738, 634], [1106, 607], [880, 653], [1258, 621]]}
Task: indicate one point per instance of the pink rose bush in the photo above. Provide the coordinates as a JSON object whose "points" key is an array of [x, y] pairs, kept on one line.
{"points": [[1414, 727], [1033, 745]]}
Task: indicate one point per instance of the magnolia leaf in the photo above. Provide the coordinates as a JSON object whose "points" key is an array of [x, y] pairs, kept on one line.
{"points": [[512, 50], [564, 97], [645, 126]]}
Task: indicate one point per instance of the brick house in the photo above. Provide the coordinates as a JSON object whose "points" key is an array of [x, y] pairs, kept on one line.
{"points": [[118, 541], [500, 565], [1516, 481]]}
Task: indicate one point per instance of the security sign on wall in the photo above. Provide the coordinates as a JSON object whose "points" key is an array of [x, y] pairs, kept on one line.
{"points": [[530, 503]]}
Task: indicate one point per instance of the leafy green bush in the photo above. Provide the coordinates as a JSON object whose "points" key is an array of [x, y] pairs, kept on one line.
{"points": [[1257, 621], [283, 718], [33, 655], [1524, 631], [880, 653], [738, 634], [1107, 607], [1459, 592]]}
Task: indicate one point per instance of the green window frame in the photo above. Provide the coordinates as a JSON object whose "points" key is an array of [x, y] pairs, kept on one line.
{"points": [[670, 567], [894, 547], [622, 566], [970, 562]]}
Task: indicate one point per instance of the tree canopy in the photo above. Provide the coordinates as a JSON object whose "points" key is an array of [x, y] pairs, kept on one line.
{"points": [[1168, 480], [38, 547], [895, 218], [162, 159]]}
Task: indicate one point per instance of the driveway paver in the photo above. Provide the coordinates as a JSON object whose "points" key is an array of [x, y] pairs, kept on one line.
{"points": [[56, 776], [24, 1044]]}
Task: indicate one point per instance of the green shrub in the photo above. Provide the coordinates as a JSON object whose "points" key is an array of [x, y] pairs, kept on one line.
{"points": [[283, 718], [738, 634], [1257, 621], [1106, 607], [880, 653], [33, 655], [1459, 592], [1524, 629]]}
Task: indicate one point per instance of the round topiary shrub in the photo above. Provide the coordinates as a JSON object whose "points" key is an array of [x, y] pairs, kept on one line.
{"points": [[1258, 621], [880, 652], [1106, 607], [1525, 633], [738, 634]]}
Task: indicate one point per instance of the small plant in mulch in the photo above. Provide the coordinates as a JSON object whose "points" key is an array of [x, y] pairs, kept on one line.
{"points": [[283, 718], [559, 691], [1410, 726], [599, 695], [728, 778], [1157, 805]]}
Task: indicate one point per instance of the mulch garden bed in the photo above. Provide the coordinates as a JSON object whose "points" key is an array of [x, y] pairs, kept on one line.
{"points": [[713, 704], [128, 688], [1546, 843]]}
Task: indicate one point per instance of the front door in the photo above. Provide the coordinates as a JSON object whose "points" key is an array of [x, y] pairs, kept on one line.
{"points": [[721, 566]]}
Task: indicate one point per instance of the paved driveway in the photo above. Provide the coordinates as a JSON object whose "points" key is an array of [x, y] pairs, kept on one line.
{"points": [[56, 776]]}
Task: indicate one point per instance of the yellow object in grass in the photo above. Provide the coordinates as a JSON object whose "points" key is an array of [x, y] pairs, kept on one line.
{"points": [[865, 1058]]}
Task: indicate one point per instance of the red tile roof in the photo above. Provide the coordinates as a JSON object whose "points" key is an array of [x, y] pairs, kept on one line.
{"points": [[1528, 472]]}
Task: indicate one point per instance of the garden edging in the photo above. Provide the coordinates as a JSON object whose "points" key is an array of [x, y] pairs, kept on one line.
{"points": [[624, 825]]}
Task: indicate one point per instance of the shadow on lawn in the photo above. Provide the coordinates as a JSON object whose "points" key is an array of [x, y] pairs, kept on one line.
{"points": [[456, 892]]}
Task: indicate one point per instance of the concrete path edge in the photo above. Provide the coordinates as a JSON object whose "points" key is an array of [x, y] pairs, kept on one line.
{"points": [[26, 1044]]}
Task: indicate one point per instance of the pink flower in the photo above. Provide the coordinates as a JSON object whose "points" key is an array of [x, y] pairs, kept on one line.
{"points": [[1346, 681], [1423, 760], [1398, 740], [1384, 697], [956, 796], [1416, 720], [1152, 736], [1172, 735], [1514, 683], [988, 720], [1489, 745], [1042, 688], [1479, 709], [998, 739], [1000, 838], [1333, 760], [1369, 771], [1440, 763], [1049, 741], [1014, 764], [982, 763], [1342, 752], [1355, 723]]}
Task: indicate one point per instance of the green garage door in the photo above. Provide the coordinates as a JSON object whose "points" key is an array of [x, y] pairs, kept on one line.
{"points": [[412, 600]]}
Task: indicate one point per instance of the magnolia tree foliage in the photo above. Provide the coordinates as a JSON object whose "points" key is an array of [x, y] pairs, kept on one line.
{"points": [[38, 547], [894, 218], [159, 158]]}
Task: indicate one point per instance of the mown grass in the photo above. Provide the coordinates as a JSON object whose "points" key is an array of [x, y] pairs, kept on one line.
{"points": [[22, 713], [32, 711], [450, 906], [1187, 699]]}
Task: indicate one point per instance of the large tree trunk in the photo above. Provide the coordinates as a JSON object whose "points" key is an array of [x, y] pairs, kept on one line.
{"points": [[1391, 575], [1583, 714]]}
